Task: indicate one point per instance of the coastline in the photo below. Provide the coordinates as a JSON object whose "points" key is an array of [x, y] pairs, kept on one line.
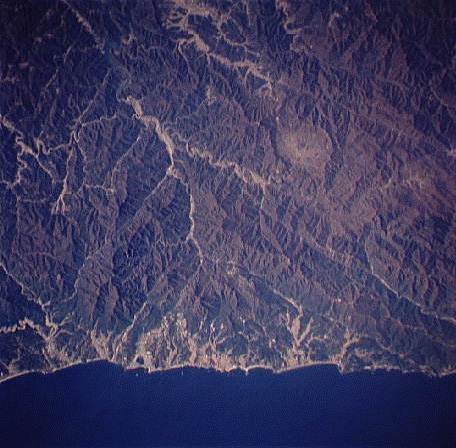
{"points": [[245, 369]]}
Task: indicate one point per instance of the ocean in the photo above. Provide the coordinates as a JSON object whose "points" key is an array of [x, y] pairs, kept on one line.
{"points": [[101, 405]]}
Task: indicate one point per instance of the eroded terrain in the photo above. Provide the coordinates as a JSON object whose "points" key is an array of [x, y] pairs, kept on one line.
{"points": [[228, 184]]}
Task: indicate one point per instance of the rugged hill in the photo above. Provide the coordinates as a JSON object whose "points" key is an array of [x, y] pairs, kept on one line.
{"points": [[228, 184]]}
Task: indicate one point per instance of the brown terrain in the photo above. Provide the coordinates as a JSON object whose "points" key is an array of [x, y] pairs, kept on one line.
{"points": [[228, 184]]}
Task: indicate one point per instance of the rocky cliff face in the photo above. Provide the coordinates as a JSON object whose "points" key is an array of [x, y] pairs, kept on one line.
{"points": [[228, 184]]}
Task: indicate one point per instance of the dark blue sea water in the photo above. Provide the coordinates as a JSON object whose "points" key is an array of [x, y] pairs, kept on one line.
{"points": [[99, 404]]}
